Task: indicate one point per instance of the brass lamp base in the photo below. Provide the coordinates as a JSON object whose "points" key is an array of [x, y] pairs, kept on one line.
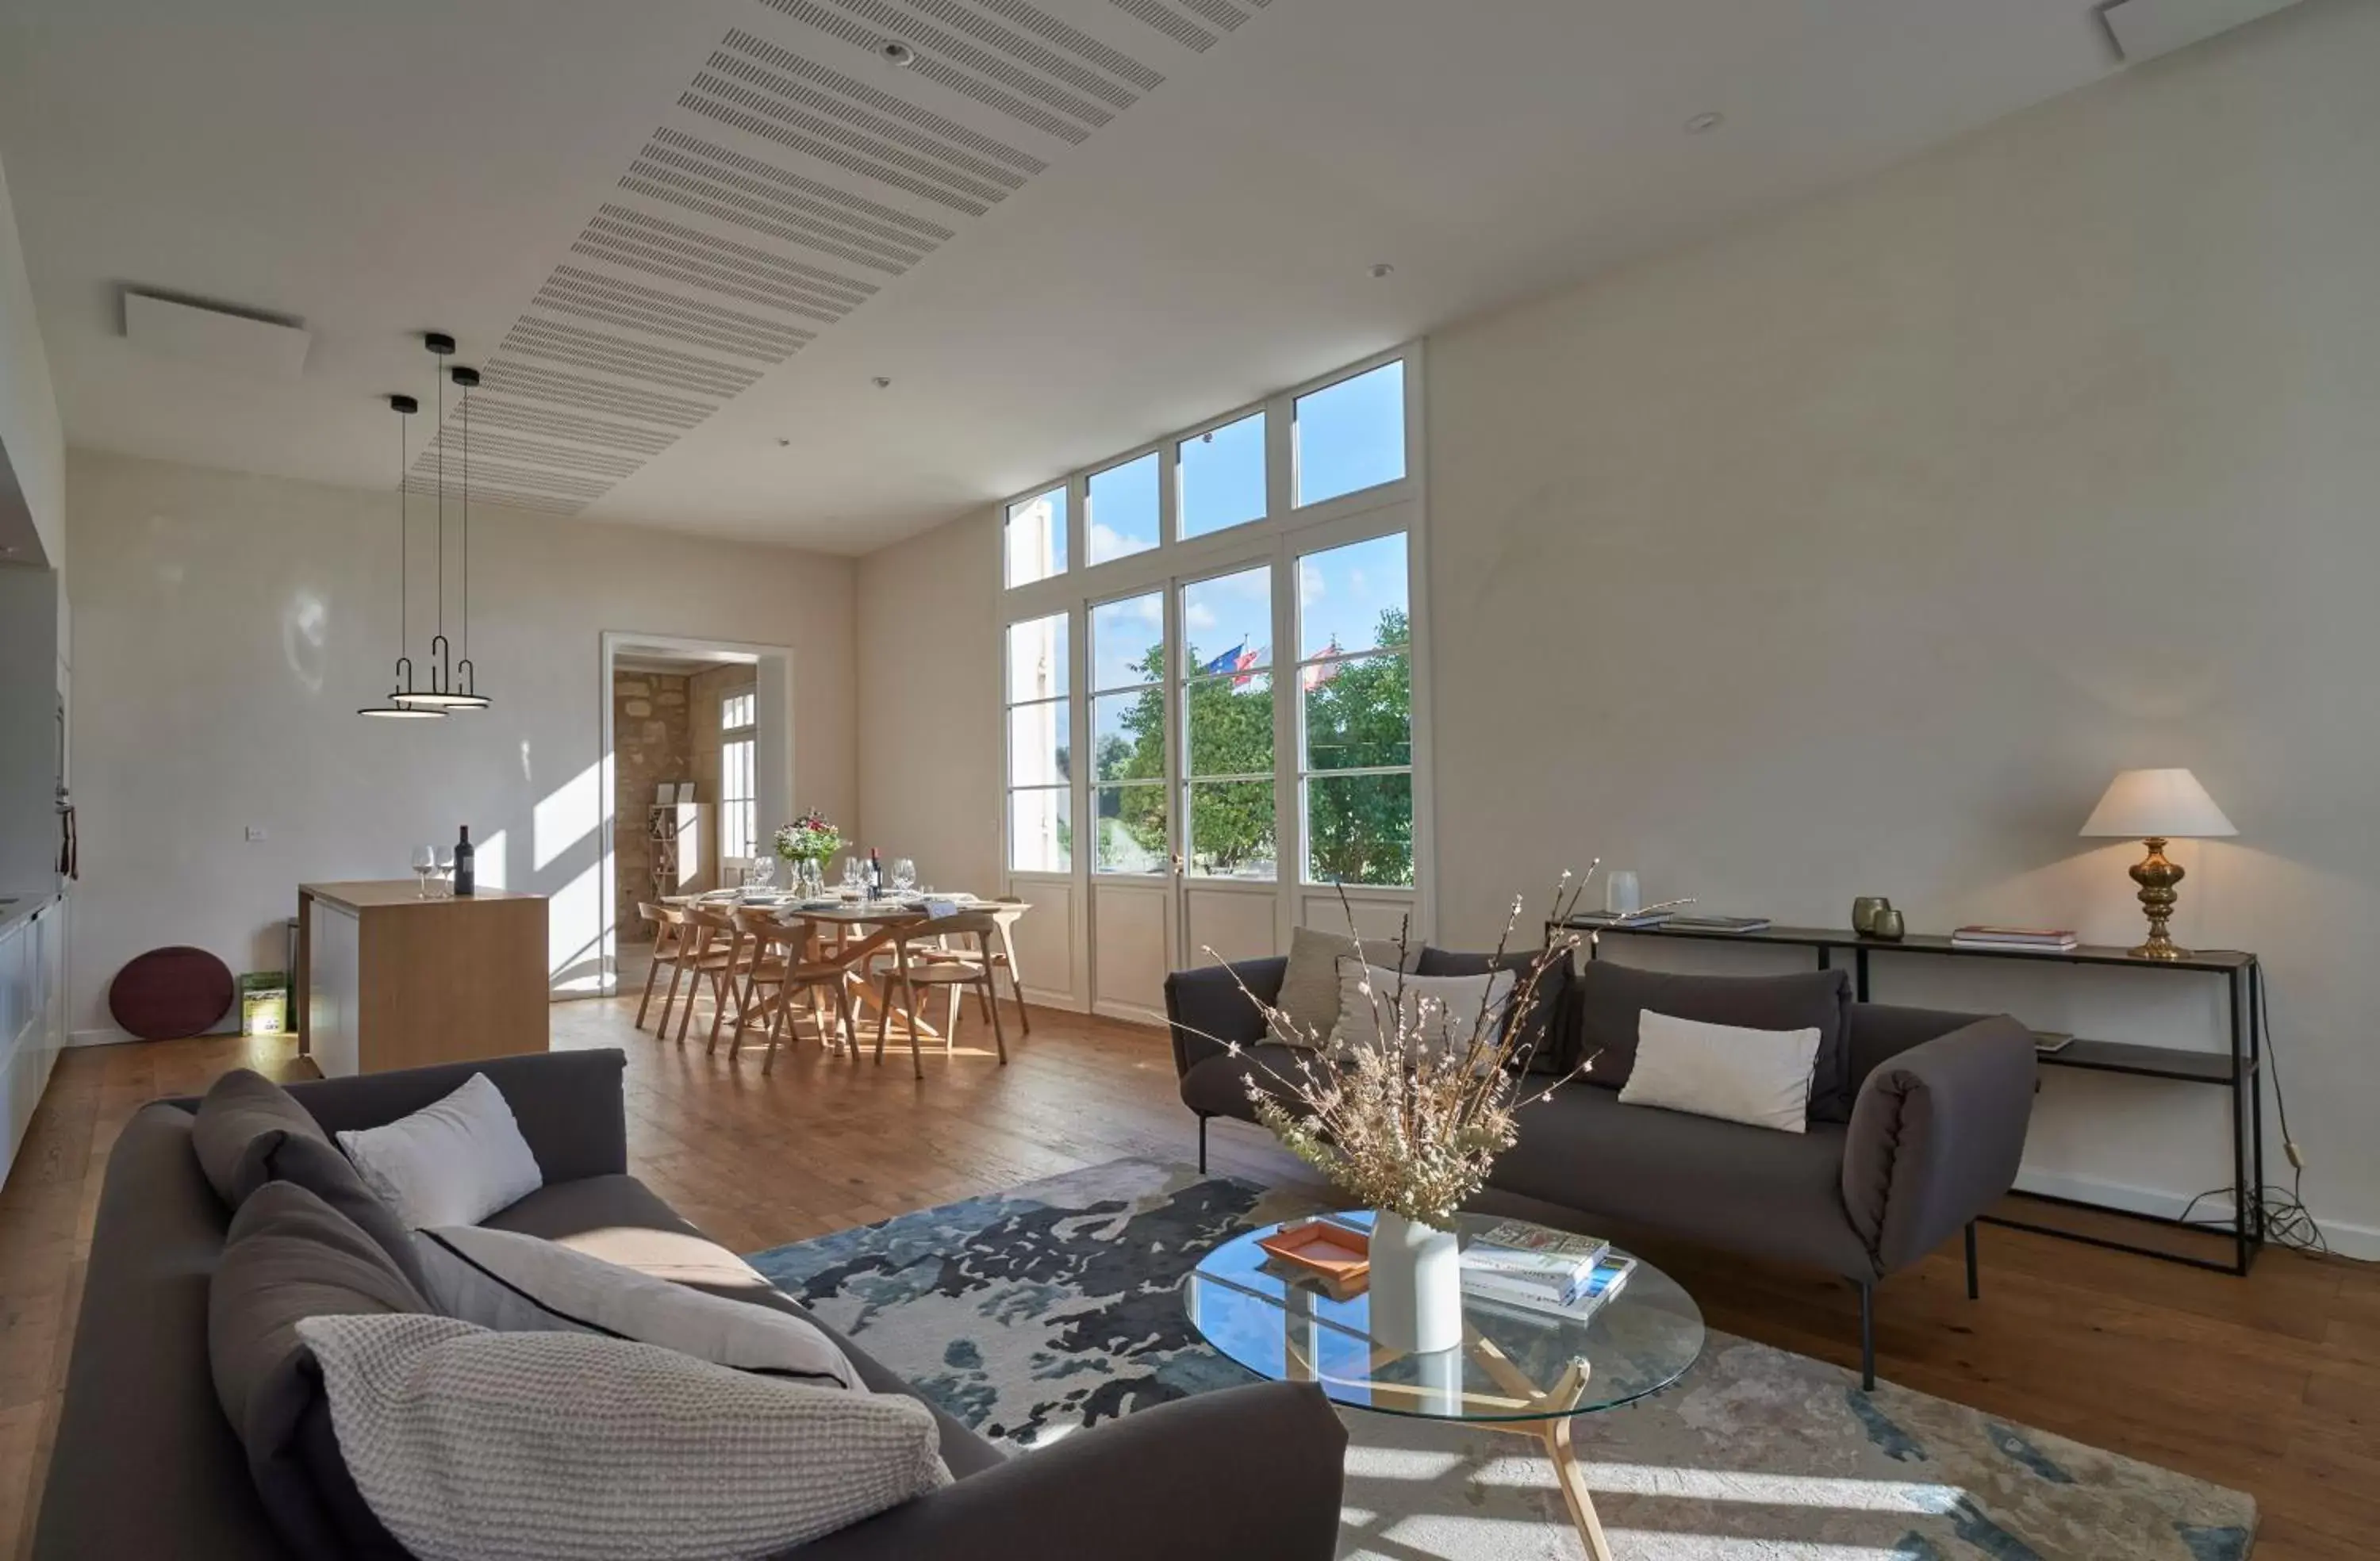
{"points": [[2157, 877]]}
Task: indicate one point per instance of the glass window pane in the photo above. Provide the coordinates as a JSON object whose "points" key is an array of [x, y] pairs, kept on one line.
{"points": [[1037, 658], [1227, 622], [1223, 476], [1036, 538], [1230, 830], [1038, 745], [1131, 823], [1359, 828], [1353, 598], [1230, 723], [1128, 736], [1120, 511], [1359, 713], [1352, 435], [1128, 641], [1042, 830]]}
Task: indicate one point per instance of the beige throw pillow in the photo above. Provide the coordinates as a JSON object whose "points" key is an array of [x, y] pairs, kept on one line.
{"points": [[1309, 988], [1757, 1077], [1445, 1008]]}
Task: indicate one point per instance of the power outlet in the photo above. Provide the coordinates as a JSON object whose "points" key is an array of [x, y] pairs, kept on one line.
{"points": [[255, 833]]}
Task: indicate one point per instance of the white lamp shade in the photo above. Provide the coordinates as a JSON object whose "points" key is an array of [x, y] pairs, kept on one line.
{"points": [[2143, 804]]}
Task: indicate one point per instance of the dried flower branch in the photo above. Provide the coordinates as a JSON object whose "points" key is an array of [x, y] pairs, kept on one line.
{"points": [[1411, 1119]]}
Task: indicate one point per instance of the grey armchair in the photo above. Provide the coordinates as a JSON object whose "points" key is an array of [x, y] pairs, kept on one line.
{"points": [[1937, 1108]]}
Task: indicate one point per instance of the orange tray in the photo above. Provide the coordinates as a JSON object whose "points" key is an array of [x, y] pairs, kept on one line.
{"points": [[1333, 1252]]}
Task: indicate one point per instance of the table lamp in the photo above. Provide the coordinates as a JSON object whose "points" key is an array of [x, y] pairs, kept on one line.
{"points": [[2152, 807]]}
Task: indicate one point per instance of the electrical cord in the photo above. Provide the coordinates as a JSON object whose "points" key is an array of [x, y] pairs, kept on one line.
{"points": [[2282, 1215]]}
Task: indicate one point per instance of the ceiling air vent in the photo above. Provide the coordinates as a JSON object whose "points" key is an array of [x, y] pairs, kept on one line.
{"points": [[219, 336]]}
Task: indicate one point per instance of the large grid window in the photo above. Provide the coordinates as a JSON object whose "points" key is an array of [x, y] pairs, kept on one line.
{"points": [[1128, 809], [739, 751], [1227, 710], [1041, 762], [1354, 690]]}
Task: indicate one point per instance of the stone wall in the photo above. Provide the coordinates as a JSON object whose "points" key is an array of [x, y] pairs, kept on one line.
{"points": [[651, 741]]}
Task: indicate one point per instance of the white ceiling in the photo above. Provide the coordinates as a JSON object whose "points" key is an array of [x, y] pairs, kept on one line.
{"points": [[376, 170]]}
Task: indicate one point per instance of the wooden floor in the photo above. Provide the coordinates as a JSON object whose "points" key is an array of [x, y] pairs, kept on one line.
{"points": [[2271, 1384]]}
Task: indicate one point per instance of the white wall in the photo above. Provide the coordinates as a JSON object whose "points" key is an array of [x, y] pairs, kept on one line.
{"points": [[930, 739], [1854, 552], [32, 448], [227, 627]]}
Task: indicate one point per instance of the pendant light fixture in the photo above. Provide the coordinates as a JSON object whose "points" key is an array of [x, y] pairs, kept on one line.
{"points": [[449, 683], [400, 706]]}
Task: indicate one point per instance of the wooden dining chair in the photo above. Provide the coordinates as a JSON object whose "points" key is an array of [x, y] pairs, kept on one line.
{"points": [[716, 955], [669, 948], [918, 961], [820, 973], [1008, 910]]}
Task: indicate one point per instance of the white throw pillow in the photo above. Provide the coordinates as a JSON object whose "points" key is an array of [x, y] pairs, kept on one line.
{"points": [[472, 1445], [1446, 1008], [512, 1283], [1759, 1077], [454, 1162]]}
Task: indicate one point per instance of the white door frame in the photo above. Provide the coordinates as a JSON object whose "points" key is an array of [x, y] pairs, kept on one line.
{"points": [[773, 771]]}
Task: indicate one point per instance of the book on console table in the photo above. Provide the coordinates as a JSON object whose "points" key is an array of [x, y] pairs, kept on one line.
{"points": [[1617, 918], [1718, 924], [2049, 940]]}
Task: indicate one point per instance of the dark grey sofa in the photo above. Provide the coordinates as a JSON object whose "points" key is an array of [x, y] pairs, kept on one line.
{"points": [[145, 1464], [1918, 1132]]}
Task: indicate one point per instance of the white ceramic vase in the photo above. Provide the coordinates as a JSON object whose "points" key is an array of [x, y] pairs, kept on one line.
{"points": [[1416, 1285]]}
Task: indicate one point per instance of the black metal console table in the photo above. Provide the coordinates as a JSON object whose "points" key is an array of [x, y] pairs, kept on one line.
{"points": [[2240, 1068]]}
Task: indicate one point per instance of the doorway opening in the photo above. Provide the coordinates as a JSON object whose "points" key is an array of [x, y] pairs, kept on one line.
{"points": [[698, 760]]}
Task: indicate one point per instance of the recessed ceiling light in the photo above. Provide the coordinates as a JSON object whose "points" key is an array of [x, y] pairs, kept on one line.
{"points": [[1707, 120], [897, 55], [1382, 268], [880, 382]]}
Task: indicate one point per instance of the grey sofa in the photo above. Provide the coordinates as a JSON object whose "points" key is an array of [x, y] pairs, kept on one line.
{"points": [[145, 1464], [1917, 1117]]}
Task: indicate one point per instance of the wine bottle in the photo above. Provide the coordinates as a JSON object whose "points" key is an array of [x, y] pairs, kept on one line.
{"points": [[466, 880], [875, 875]]}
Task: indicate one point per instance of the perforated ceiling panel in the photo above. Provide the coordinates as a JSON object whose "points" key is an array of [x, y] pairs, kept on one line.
{"points": [[797, 174]]}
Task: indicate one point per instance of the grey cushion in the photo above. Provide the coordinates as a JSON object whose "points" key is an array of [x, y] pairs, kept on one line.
{"points": [[1309, 988], [1748, 1189], [236, 1110], [606, 1214], [1611, 996], [309, 1161], [289, 1255], [1551, 1047]]}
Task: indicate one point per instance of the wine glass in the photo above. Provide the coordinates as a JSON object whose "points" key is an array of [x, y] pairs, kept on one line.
{"points": [[425, 862], [855, 878], [904, 875]]}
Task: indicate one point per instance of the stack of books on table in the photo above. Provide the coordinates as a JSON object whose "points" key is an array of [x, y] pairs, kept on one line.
{"points": [[1541, 1270], [2040, 940]]}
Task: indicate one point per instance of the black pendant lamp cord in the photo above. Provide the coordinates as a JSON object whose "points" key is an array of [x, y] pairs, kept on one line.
{"points": [[437, 667], [466, 523], [404, 535]]}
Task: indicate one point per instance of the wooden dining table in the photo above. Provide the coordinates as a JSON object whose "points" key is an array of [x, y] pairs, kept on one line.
{"points": [[862, 913]]}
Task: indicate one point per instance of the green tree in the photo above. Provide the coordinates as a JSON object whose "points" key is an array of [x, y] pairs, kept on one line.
{"points": [[1359, 716], [1359, 828]]}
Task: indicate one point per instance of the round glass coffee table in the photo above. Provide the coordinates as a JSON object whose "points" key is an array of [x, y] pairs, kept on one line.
{"points": [[1518, 1369]]}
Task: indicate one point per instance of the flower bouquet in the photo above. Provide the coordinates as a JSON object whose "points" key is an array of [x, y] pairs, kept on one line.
{"points": [[1408, 1121], [809, 842]]}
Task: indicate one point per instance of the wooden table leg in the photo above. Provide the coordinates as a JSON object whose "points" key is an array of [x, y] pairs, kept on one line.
{"points": [[1572, 1481]]}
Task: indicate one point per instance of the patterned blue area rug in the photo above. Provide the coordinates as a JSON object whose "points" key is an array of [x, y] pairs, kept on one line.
{"points": [[1035, 1312]]}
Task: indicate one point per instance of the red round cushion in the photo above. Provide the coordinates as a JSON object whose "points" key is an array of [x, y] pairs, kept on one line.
{"points": [[168, 993]]}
